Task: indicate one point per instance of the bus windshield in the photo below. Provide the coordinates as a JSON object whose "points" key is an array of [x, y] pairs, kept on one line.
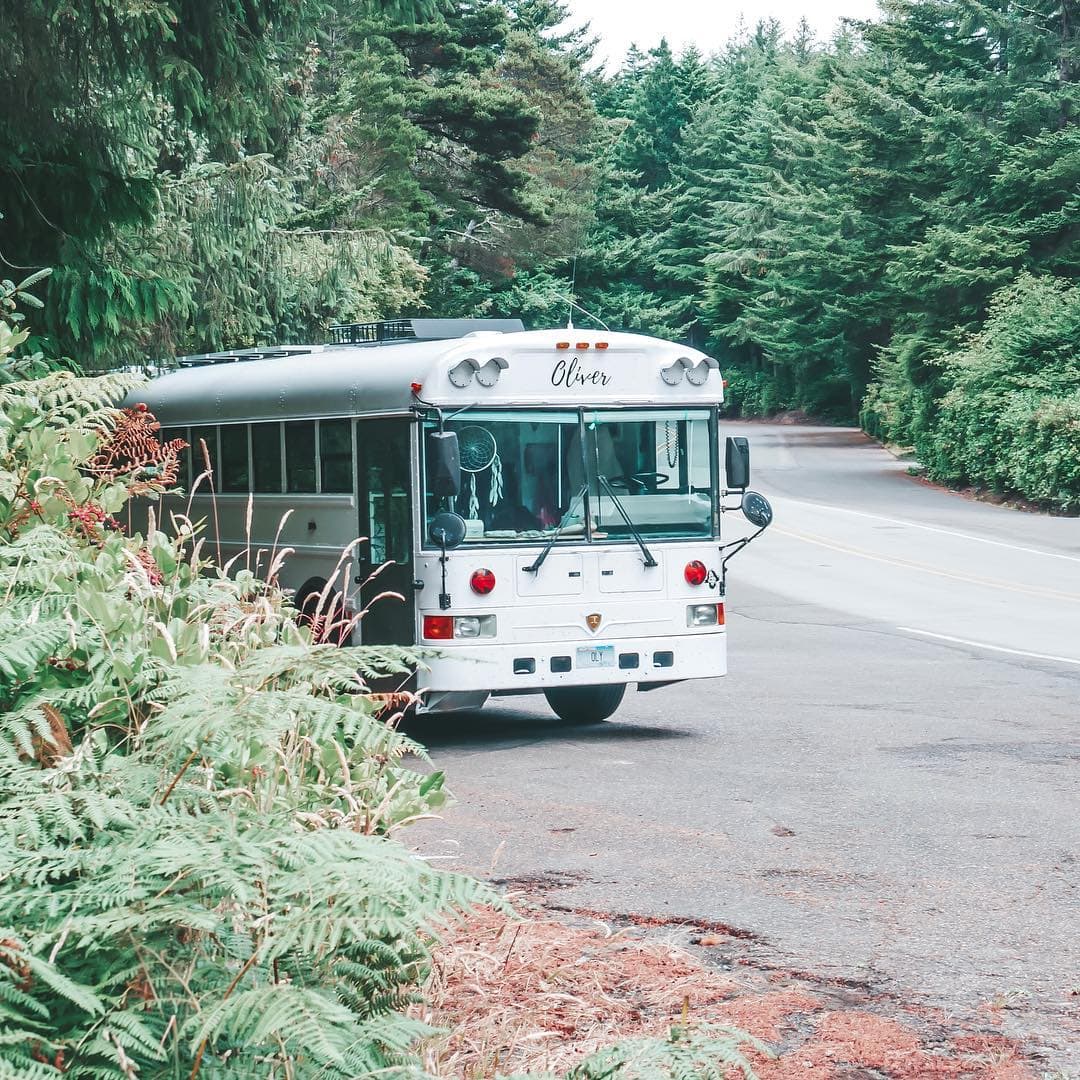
{"points": [[527, 473]]}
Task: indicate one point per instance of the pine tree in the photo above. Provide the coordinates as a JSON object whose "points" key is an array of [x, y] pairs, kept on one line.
{"points": [[658, 112]]}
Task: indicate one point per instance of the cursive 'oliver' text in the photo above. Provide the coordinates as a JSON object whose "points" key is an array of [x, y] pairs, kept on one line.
{"points": [[570, 374]]}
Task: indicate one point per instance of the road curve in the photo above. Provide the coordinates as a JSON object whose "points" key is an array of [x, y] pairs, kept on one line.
{"points": [[856, 533], [884, 788]]}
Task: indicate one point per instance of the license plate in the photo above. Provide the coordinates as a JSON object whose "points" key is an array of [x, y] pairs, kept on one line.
{"points": [[596, 656]]}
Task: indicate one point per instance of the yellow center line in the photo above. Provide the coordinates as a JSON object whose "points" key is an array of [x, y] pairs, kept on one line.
{"points": [[971, 579]]}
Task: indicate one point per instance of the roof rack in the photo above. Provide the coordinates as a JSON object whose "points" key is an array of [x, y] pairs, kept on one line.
{"points": [[418, 330], [237, 355]]}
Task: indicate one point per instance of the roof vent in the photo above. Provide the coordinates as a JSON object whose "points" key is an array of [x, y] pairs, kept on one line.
{"points": [[273, 352], [418, 330]]}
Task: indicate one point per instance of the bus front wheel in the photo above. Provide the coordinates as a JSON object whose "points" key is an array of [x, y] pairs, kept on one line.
{"points": [[585, 704]]}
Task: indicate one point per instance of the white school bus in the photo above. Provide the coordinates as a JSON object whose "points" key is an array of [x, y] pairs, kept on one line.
{"points": [[544, 505]]}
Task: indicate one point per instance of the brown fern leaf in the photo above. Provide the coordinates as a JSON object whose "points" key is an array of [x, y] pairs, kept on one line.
{"points": [[49, 752], [132, 451]]}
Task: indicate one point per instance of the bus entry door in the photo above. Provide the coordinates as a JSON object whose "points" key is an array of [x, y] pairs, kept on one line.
{"points": [[384, 559]]}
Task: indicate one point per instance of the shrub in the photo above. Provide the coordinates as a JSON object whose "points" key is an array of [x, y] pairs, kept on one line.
{"points": [[1010, 420], [196, 869], [752, 393]]}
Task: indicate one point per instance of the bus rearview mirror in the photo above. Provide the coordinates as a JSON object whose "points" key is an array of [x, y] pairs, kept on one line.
{"points": [[737, 463], [443, 463]]}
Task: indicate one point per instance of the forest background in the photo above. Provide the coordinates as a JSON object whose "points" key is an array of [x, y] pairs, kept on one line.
{"points": [[879, 227]]}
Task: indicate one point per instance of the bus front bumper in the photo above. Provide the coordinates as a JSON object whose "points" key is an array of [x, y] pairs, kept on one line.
{"points": [[479, 668]]}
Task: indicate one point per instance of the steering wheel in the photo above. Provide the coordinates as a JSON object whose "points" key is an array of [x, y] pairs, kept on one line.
{"points": [[646, 481]]}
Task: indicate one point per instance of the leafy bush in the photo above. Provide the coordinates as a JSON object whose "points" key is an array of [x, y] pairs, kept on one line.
{"points": [[196, 873], [1011, 418], [13, 334]]}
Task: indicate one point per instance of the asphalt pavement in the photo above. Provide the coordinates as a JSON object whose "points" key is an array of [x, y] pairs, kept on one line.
{"points": [[884, 787]]}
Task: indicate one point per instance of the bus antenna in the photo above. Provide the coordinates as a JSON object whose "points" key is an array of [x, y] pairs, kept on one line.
{"points": [[588, 314], [570, 298]]}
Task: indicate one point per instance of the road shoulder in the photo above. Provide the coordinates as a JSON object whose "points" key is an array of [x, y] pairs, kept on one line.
{"points": [[541, 992]]}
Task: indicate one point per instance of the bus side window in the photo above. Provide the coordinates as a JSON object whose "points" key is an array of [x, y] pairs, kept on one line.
{"points": [[183, 478], [335, 455], [300, 456], [199, 435], [266, 457], [234, 457]]}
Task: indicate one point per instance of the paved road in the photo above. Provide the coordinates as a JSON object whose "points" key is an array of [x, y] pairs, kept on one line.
{"points": [[883, 788]]}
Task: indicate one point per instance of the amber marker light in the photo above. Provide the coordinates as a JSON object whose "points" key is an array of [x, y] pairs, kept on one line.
{"points": [[562, 345], [600, 345], [582, 345]]}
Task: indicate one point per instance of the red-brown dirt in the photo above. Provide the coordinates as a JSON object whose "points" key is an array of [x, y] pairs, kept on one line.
{"points": [[541, 993]]}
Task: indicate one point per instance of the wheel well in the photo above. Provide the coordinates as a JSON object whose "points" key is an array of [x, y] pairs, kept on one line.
{"points": [[314, 587]]}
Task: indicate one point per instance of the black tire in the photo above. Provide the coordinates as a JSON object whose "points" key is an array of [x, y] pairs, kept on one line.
{"points": [[585, 704]]}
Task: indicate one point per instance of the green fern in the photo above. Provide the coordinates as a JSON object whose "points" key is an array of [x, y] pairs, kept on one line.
{"points": [[197, 803], [699, 1052]]}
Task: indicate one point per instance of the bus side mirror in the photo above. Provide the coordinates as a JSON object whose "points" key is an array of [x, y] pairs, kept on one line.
{"points": [[757, 509], [443, 463], [737, 463], [447, 529]]}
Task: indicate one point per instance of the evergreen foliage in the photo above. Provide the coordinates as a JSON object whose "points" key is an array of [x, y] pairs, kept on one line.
{"points": [[837, 220], [831, 218]]}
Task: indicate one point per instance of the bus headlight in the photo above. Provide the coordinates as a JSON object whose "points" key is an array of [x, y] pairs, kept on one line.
{"points": [[705, 615], [474, 626]]}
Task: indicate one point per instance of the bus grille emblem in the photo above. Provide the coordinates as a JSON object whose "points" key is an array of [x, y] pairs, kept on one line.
{"points": [[593, 621]]}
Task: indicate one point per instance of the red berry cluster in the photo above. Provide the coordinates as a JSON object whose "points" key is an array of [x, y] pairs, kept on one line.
{"points": [[67, 665], [153, 571]]}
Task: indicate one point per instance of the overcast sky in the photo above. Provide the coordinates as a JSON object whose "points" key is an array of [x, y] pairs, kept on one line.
{"points": [[706, 23]]}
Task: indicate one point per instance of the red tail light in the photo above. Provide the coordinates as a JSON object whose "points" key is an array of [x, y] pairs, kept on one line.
{"points": [[695, 572], [438, 627], [482, 582]]}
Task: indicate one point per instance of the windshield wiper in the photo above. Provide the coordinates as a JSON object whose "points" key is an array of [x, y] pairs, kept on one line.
{"points": [[534, 567], [646, 554]]}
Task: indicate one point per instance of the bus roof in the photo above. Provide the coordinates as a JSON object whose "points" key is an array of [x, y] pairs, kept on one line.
{"points": [[534, 368]]}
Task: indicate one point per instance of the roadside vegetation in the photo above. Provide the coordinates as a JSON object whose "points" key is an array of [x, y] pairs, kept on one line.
{"points": [[195, 799]]}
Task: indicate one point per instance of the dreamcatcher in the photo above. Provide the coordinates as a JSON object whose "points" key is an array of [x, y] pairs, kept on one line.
{"points": [[479, 451], [671, 442]]}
